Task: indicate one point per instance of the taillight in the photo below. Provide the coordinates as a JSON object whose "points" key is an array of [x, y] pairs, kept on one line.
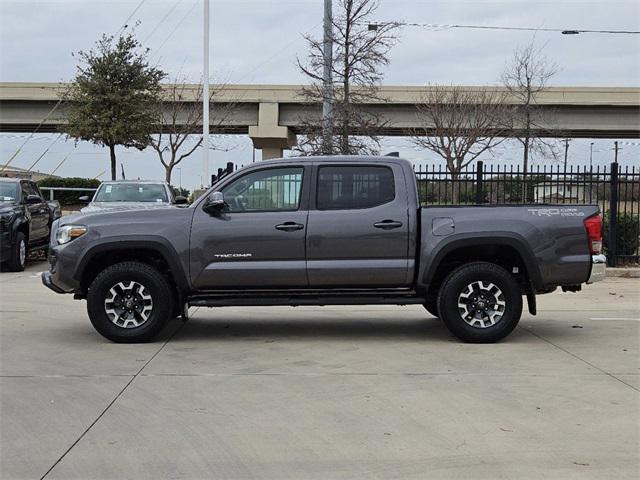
{"points": [[593, 226]]}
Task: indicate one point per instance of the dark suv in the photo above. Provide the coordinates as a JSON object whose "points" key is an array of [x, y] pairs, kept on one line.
{"points": [[25, 221]]}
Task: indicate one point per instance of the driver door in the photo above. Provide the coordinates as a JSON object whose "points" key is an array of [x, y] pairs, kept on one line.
{"points": [[38, 213], [258, 240]]}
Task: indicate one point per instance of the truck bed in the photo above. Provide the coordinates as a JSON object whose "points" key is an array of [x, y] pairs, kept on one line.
{"points": [[550, 238]]}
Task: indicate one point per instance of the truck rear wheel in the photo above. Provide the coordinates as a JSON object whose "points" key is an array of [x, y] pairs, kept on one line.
{"points": [[129, 302], [480, 302]]}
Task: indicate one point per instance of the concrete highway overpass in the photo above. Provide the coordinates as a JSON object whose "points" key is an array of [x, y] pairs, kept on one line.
{"points": [[272, 115]]}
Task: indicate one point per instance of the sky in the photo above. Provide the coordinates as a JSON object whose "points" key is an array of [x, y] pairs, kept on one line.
{"points": [[257, 41]]}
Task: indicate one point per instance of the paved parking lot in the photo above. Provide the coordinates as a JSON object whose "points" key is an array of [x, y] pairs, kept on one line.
{"points": [[333, 392]]}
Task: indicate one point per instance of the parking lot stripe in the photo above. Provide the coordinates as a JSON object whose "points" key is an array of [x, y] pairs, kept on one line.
{"points": [[581, 359], [111, 403], [617, 318]]}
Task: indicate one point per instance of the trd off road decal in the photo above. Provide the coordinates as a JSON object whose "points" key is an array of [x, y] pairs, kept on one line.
{"points": [[553, 212]]}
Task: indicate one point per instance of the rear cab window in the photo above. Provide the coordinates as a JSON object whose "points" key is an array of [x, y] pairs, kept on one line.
{"points": [[354, 187]]}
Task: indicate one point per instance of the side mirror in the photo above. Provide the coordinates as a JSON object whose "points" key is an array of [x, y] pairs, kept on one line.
{"points": [[84, 198], [214, 203], [180, 200], [32, 199]]}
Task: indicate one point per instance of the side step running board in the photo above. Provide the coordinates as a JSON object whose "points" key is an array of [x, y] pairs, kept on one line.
{"points": [[304, 297]]}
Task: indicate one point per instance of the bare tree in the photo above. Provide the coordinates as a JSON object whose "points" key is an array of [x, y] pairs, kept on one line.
{"points": [[179, 116], [525, 77], [359, 53], [460, 124]]}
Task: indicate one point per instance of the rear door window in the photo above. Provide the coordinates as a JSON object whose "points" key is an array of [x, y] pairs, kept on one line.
{"points": [[354, 187]]}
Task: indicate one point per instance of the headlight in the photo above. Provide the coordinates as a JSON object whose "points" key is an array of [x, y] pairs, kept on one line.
{"points": [[69, 232]]}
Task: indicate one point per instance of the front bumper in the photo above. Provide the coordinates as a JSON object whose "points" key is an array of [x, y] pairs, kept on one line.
{"points": [[598, 268], [47, 282]]}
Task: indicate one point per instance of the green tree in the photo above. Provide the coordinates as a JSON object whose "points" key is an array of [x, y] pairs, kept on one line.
{"points": [[113, 97]]}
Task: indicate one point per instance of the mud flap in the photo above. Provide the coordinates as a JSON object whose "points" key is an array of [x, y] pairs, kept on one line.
{"points": [[531, 301]]}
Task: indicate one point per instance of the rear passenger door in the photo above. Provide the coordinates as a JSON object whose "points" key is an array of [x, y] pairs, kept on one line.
{"points": [[357, 233]]}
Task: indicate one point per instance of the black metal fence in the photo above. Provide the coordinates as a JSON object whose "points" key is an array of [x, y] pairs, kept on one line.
{"points": [[615, 189]]}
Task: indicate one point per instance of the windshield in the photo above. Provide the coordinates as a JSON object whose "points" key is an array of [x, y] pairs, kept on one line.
{"points": [[131, 192], [8, 192]]}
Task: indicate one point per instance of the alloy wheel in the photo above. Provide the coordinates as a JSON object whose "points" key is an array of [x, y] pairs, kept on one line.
{"points": [[22, 252], [481, 304], [128, 304]]}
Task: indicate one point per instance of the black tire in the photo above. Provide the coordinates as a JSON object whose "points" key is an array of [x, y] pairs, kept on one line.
{"points": [[17, 261], [462, 281], [431, 306], [154, 284]]}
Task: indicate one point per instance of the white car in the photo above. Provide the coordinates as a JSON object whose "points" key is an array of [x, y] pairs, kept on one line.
{"points": [[131, 195]]}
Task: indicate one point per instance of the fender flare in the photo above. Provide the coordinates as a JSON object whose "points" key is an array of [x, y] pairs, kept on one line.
{"points": [[17, 223], [470, 240], [155, 243]]}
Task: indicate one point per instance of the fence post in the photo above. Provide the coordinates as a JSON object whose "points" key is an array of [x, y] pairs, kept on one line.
{"points": [[51, 194], [613, 216], [479, 190]]}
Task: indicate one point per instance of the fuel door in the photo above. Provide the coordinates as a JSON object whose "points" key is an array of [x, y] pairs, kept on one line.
{"points": [[442, 226]]}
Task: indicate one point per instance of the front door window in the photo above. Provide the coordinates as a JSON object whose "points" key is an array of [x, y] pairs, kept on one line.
{"points": [[270, 190]]}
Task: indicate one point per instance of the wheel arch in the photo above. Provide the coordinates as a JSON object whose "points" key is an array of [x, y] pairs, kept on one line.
{"points": [[503, 248], [21, 225], [152, 250]]}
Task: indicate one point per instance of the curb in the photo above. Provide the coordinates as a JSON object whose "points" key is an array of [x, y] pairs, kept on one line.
{"points": [[623, 272]]}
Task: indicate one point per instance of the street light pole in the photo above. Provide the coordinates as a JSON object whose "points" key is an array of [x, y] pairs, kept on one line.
{"points": [[327, 80], [591, 157], [205, 97]]}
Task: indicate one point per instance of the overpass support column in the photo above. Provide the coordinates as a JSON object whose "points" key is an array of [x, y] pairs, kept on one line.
{"points": [[268, 135]]}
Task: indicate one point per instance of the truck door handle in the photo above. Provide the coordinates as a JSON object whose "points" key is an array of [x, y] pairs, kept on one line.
{"points": [[387, 224], [289, 226]]}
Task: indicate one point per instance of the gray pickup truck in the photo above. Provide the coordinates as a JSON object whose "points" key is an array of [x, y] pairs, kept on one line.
{"points": [[323, 231]]}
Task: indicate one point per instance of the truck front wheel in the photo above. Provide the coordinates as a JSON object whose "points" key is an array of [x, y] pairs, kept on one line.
{"points": [[480, 302], [129, 302], [18, 253]]}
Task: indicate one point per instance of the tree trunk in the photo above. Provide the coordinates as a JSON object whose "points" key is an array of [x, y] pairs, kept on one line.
{"points": [[112, 154], [525, 154], [168, 170], [525, 168], [455, 187], [346, 114]]}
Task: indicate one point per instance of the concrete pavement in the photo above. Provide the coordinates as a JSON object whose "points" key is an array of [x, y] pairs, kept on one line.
{"points": [[333, 392]]}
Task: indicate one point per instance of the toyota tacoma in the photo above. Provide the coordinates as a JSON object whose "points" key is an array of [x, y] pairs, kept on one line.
{"points": [[323, 231]]}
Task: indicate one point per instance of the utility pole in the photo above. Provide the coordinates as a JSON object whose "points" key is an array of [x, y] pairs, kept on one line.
{"points": [[591, 157], [566, 152], [327, 79], [205, 97], [616, 149]]}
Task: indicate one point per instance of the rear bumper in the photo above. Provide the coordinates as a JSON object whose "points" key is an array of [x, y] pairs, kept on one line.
{"points": [[598, 268]]}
